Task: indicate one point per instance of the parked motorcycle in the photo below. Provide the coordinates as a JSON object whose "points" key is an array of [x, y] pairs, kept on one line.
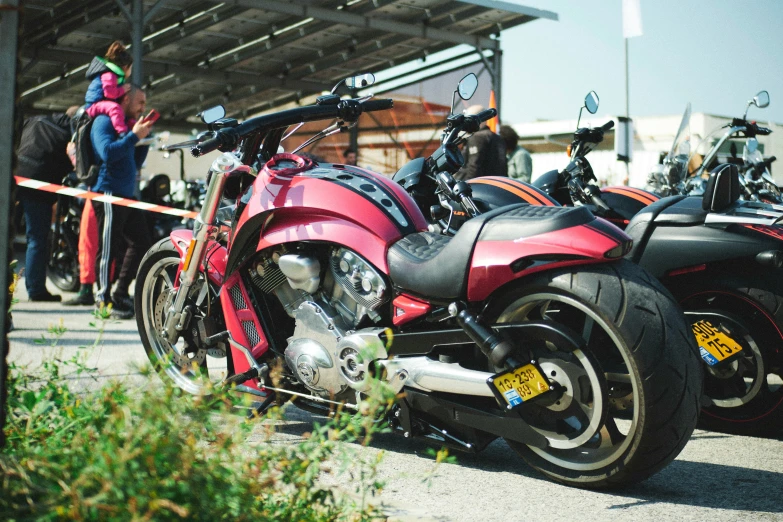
{"points": [[63, 266], [526, 325], [755, 180], [701, 249]]}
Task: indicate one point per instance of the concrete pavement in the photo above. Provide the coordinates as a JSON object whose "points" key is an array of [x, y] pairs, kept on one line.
{"points": [[717, 477]]}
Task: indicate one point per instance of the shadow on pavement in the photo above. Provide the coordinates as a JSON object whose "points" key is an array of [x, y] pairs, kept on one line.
{"points": [[682, 482], [716, 486]]}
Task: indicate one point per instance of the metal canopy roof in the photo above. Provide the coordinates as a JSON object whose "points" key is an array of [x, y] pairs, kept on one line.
{"points": [[251, 55]]}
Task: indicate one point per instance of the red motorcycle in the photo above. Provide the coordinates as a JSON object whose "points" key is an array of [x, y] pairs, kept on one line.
{"points": [[526, 325]]}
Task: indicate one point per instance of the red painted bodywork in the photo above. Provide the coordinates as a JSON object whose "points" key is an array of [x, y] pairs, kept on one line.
{"points": [[293, 205], [406, 309], [216, 254], [234, 318], [312, 209], [491, 265], [306, 208]]}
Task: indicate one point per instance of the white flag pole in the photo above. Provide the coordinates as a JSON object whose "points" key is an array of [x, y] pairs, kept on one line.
{"points": [[632, 26]]}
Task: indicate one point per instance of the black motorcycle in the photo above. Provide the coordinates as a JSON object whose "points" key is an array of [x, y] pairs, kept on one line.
{"points": [[63, 267], [720, 257]]}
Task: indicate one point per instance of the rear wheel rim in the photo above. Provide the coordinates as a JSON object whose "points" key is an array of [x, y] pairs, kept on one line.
{"points": [[608, 443]]}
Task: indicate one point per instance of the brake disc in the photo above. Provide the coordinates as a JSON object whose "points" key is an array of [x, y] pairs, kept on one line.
{"points": [[189, 353]]}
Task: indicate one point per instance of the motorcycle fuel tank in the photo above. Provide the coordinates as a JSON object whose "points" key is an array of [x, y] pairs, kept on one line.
{"points": [[295, 200]]}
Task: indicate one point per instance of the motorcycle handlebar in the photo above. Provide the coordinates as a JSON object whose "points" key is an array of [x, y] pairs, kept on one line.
{"points": [[229, 137], [608, 125], [487, 114], [208, 146], [377, 105]]}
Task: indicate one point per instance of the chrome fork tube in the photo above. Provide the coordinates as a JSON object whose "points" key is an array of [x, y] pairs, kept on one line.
{"points": [[176, 319]]}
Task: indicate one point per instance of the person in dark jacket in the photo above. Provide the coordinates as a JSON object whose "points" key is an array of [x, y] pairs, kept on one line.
{"points": [[119, 160], [485, 152], [41, 156]]}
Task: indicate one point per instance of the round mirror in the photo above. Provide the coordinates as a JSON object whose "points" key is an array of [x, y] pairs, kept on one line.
{"points": [[360, 81], [591, 102], [761, 100], [467, 86], [213, 114]]}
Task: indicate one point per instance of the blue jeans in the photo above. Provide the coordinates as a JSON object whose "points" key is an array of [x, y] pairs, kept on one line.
{"points": [[38, 221]]}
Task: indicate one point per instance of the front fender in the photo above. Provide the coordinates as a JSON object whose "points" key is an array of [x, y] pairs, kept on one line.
{"points": [[216, 255]]}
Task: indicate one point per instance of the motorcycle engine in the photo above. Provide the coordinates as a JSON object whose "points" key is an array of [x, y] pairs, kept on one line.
{"points": [[327, 352]]}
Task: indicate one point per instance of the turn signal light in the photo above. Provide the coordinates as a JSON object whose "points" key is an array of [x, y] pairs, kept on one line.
{"points": [[568, 150], [773, 258], [619, 251]]}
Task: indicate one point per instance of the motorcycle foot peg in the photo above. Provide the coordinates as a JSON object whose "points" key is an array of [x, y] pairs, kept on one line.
{"points": [[212, 340], [252, 373], [496, 349]]}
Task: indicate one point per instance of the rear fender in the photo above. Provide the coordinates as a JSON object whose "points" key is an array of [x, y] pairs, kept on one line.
{"points": [[626, 202], [496, 263], [216, 255], [673, 248]]}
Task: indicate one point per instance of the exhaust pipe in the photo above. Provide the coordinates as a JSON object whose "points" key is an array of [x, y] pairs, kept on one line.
{"points": [[772, 258], [429, 375]]}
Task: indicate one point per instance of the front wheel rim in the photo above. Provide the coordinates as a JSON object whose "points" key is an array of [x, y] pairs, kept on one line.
{"points": [[186, 369], [608, 443]]}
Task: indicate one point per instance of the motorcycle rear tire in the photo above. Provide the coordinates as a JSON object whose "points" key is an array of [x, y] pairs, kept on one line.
{"points": [[757, 300], [650, 332], [63, 271]]}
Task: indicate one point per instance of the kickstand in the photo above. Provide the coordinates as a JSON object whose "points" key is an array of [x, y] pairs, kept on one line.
{"points": [[261, 409]]}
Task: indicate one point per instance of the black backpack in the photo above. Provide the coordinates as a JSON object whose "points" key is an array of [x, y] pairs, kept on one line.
{"points": [[87, 164]]}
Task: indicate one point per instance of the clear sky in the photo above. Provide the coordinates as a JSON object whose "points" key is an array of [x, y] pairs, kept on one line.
{"points": [[714, 53]]}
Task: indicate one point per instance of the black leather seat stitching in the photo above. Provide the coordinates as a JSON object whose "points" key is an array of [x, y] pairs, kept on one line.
{"points": [[435, 265], [532, 221]]}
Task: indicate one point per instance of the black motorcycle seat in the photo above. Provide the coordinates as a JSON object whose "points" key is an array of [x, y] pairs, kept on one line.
{"points": [[435, 266], [669, 211], [532, 220], [687, 211]]}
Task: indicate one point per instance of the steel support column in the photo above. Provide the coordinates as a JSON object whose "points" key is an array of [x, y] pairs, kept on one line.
{"points": [[137, 35], [495, 69], [9, 28], [137, 20]]}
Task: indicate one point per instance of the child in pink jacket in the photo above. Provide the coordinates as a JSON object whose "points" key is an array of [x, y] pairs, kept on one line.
{"points": [[108, 76]]}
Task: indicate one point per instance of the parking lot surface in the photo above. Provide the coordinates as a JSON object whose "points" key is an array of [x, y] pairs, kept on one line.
{"points": [[717, 476]]}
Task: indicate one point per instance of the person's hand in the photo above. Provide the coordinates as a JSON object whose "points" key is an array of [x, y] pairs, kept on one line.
{"points": [[142, 128], [70, 150]]}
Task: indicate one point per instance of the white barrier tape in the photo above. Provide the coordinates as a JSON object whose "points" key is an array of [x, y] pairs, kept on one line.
{"points": [[104, 198]]}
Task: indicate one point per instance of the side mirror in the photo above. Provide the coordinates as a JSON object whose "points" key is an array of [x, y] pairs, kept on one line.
{"points": [[761, 100], [467, 86], [360, 81], [591, 102], [212, 114]]}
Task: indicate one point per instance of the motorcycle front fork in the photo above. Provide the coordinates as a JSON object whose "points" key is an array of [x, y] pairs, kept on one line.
{"points": [[204, 228]]}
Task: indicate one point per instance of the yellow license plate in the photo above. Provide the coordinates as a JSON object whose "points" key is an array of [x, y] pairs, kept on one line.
{"points": [[714, 345], [519, 385]]}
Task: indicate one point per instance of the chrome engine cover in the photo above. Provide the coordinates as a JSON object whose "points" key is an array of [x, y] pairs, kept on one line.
{"points": [[310, 349], [326, 357], [355, 288]]}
